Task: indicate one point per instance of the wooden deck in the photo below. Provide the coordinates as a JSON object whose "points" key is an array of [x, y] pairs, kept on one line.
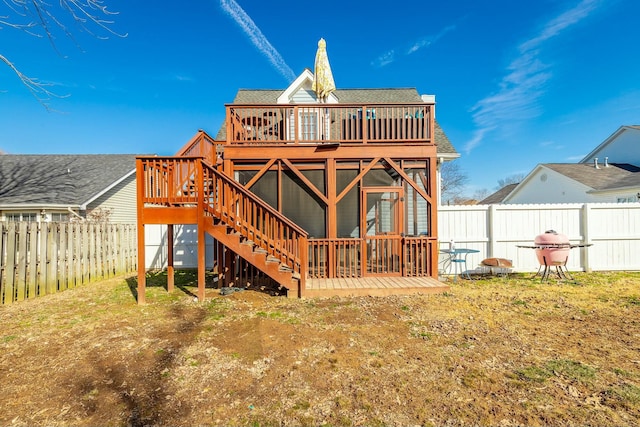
{"points": [[373, 286]]}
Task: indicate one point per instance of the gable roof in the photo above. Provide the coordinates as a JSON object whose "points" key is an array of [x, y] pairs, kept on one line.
{"points": [[60, 179], [499, 195], [304, 81], [608, 141], [616, 175], [347, 96]]}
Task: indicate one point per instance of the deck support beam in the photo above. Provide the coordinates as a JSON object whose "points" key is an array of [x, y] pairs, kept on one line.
{"points": [[141, 265], [140, 237], [201, 234], [220, 262], [170, 272]]}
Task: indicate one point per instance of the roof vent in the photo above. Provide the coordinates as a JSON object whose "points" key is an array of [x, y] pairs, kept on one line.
{"points": [[595, 163], [606, 162]]}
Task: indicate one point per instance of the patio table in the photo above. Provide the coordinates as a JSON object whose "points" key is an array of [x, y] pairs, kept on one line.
{"points": [[457, 260]]}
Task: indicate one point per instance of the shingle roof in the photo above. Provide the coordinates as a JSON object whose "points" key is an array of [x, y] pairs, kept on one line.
{"points": [[499, 195], [616, 175], [347, 96], [59, 179]]}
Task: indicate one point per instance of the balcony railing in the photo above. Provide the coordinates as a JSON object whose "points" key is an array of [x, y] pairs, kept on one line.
{"points": [[330, 123]]}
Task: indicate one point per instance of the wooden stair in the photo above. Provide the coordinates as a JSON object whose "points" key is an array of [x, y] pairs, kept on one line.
{"points": [[256, 256], [190, 190]]}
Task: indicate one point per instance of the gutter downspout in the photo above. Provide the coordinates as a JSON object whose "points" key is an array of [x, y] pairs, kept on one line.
{"points": [[74, 213]]}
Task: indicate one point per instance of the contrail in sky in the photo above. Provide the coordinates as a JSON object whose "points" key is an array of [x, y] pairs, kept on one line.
{"points": [[393, 54], [258, 39]]}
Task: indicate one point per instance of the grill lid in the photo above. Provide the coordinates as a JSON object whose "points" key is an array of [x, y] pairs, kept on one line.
{"points": [[551, 238]]}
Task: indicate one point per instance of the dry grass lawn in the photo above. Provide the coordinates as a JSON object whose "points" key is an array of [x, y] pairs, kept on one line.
{"points": [[491, 352]]}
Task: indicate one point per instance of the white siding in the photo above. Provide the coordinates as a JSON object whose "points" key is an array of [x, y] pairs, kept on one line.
{"points": [[120, 200], [548, 186], [304, 96], [185, 239], [625, 148]]}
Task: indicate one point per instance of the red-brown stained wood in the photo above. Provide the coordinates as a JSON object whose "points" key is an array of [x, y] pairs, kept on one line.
{"points": [[195, 187]]}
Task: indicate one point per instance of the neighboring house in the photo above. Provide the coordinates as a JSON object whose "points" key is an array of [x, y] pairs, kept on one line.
{"points": [[305, 187], [498, 196], [609, 174], [578, 183], [623, 146], [55, 187]]}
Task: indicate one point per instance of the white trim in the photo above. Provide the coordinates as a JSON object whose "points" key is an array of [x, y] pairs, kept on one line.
{"points": [[83, 206], [615, 189], [609, 140], [298, 83], [36, 206], [526, 179]]}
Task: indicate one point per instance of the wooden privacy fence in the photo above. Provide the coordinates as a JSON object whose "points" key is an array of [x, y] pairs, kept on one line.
{"points": [[43, 258]]}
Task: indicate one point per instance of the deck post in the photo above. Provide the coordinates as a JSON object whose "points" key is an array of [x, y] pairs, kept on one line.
{"points": [[140, 230], [201, 233], [304, 266], [332, 215], [228, 268], [432, 164], [170, 271], [220, 262], [141, 265]]}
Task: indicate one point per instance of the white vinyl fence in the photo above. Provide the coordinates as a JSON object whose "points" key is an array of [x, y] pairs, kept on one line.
{"points": [[612, 229]]}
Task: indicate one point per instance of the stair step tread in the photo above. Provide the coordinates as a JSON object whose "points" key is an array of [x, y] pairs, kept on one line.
{"points": [[264, 259]]}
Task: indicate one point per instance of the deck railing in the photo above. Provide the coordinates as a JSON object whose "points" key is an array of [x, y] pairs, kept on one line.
{"points": [[330, 123], [169, 181], [187, 181], [354, 257], [329, 258], [420, 254]]}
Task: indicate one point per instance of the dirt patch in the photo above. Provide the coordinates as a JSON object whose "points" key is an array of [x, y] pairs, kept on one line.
{"points": [[490, 352]]}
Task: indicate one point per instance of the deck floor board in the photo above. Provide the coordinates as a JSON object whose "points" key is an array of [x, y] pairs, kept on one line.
{"points": [[373, 286]]}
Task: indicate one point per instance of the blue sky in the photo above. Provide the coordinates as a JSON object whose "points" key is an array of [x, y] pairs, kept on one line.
{"points": [[517, 83]]}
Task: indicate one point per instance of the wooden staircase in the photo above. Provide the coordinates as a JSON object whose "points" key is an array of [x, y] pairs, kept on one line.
{"points": [[256, 256], [188, 190]]}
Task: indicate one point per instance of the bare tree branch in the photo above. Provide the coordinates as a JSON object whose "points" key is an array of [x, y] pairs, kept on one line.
{"points": [[41, 19], [511, 179], [452, 181], [37, 88]]}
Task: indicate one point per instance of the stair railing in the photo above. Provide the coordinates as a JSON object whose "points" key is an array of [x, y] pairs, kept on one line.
{"points": [[256, 220], [201, 145], [186, 181]]}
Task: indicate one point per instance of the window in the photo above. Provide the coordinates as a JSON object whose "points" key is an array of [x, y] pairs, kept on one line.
{"points": [[21, 216], [59, 217], [628, 199], [308, 125]]}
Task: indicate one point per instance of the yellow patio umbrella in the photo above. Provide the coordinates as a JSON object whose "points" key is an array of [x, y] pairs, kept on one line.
{"points": [[323, 83]]}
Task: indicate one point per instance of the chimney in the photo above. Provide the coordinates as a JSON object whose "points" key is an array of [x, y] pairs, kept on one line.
{"points": [[595, 163], [431, 99], [606, 162]]}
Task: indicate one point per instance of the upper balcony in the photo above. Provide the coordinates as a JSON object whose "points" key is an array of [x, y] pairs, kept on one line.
{"points": [[330, 124]]}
